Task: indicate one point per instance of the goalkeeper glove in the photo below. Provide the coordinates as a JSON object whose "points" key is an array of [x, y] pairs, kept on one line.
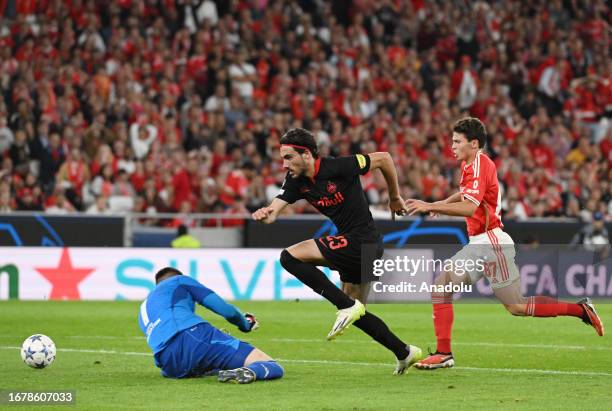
{"points": [[253, 323]]}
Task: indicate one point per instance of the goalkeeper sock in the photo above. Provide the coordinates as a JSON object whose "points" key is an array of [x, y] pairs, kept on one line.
{"points": [[314, 278], [266, 370], [540, 306], [443, 316], [378, 330]]}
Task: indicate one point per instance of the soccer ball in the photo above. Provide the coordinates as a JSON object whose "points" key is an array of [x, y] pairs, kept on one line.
{"points": [[38, 351]]}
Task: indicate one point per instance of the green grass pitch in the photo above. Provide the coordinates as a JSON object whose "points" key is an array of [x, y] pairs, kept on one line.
{"points": [[503, 362]]}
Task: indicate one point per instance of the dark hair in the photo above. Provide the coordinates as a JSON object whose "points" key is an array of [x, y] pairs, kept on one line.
{"points": [[473, 129], [165, 272], [182, 230], [301, 137], [248, 165]]}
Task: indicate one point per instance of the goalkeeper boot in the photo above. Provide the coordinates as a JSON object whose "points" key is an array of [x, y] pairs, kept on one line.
{"points": [[402, 365], [436, 360], [590, 316], [242, 375], [346, 317]]}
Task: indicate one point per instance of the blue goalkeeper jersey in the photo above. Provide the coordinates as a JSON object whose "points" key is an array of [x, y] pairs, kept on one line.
{"points": [[170, 309]]}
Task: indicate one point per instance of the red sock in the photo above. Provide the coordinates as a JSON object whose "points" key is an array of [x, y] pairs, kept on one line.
{"points": [[540, 306], [443, 324]]}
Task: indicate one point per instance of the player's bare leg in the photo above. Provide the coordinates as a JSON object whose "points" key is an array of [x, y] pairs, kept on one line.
{"points": [[443, 323], [357, 291], [512, 299], [301, 260], [540, 306], [307, 252], [257, 366], [257, 355], [406, 354]]}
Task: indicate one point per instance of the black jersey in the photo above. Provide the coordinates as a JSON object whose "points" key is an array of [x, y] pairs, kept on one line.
{"points": [[335, 190]]}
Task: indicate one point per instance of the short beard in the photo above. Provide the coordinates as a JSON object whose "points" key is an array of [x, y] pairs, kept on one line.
{"points": [[303, 169]]}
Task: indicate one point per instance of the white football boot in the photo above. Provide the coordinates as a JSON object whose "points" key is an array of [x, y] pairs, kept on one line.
{"points": [[346, 317]]}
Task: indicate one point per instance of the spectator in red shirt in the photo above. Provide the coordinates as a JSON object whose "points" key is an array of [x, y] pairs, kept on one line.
{"points": [[237, 183], [356, 74]]}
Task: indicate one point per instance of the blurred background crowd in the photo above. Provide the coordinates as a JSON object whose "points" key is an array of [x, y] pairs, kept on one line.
{"points": [[178, 106]]}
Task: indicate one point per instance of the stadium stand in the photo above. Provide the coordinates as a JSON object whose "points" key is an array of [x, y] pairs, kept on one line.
{"points": [[117, 106]]}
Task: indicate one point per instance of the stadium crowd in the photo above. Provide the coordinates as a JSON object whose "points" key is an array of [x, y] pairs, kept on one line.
{"points": [[178, 106]]}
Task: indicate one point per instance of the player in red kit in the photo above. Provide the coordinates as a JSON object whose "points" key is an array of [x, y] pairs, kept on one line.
{"points": [[479, 201]]}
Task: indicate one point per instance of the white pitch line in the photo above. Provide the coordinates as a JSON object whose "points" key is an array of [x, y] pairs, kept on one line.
{"points": [[517, 370], [474, 343], [352, 341], [538, 371], [538, 346], [79, 350], [104, 337], [367, 364]]}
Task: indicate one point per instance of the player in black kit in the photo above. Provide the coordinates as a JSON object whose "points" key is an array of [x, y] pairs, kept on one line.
{"points": [[332, 186]]}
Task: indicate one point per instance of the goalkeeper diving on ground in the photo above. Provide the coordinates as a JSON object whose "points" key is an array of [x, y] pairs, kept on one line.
{"points": [[185, 345]]}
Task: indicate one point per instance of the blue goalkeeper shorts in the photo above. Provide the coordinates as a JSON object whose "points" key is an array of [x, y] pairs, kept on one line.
{"points": [[200, 350]]}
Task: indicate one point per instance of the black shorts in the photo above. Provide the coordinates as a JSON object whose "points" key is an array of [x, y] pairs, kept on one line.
{"points": [[350, 255]]}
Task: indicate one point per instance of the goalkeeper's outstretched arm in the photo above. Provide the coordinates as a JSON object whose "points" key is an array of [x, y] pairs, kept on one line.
{"points": [[209, 299], [232, 314]]}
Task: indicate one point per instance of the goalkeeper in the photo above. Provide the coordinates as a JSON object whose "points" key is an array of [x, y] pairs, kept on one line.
{"points": [[185, 345]]}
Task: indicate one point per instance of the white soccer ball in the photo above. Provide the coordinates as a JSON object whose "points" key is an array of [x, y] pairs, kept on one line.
{"points": [[38, 351]]}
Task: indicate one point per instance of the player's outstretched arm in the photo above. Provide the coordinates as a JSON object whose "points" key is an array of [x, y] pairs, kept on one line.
{"points": [[458, 209], [232, 314], [383, 161], [267, 215], [454, 198], [209, 299]]}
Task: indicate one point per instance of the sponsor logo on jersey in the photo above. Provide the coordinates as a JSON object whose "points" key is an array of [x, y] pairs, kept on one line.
{"points": [[331, 187], [338, 198]]}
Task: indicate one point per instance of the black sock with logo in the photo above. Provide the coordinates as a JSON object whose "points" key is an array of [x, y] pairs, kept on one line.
{"points": [[378, 330], [314, 278]]}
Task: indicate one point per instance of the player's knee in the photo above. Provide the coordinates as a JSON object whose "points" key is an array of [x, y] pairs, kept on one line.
{"points": [[287, 260], [516, 309]]}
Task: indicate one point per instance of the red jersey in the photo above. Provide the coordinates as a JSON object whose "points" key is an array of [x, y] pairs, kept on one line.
{"points": [[479, 185]]}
